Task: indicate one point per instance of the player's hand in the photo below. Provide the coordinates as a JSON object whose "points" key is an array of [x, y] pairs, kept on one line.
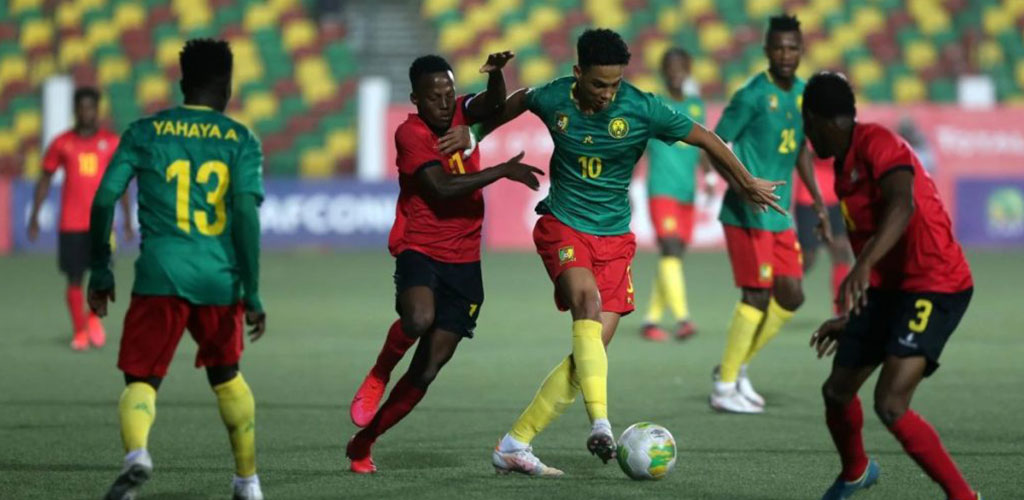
{"points": [[761, 193], [521, 172], [97, 300], [825, 339], [33, 230], [853, 292], [258, 321], [496, 61], [456, 139], [824, 228]]}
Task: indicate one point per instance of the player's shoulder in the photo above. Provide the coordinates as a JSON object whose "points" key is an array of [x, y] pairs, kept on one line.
{"points": [[558, 88], [63, 138], [753, 88], [412, 129], [874, 133]]}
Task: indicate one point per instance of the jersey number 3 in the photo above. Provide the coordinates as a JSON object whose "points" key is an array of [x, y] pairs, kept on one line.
{"points": [[181, 171]]}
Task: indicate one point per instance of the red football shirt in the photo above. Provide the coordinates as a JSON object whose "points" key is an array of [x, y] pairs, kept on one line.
{"points": [[825, 175], [927, 258], [446, 230], [84, 160]]}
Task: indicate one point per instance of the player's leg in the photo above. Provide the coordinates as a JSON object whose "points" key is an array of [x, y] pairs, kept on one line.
{"points": [[152, 328], [806, 220], [415, 276], [845, 420], [663, 222], [750, 252], [685, 328], [73, 261]]}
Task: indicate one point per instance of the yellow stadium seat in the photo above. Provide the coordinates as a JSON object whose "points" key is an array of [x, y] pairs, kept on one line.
{"points": [[490, 46], [846, 37], [996, 20], [705, 71], [434, 8], [261, 105], [501, 7], [68, 14], [827, 7], [281, 6], [521, 35], [920, 54], [18, 6], [32, 163], [546, 18], [714, 35], [248, 64], [36, 33], [318, 91], [480, 18], [647, 82], [27, 124], [258, 17], [193, 14], [13, 67], [612, 17], [73, 51], [810, 19], [1015, 8], [669, 21], [455, 36], [757, 9], [825, 54], [696, 8], [654, 51], [101, 32], [536, 71], [129, 15], [990, 54], [866, 72], [869, 20], [299, 34], [931, 17], [152, 88], [87, 5], [467, 72], [340, 143], [113, 69], [169, 49], [43, 66], [315, 163], [310, 69], [8, 143], [909, 89]]}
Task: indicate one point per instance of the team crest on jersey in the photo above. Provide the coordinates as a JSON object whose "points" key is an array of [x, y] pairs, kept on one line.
{"points": [[562, 121], [102, 145], [773, 102], [765, 271], [618, 127], [566, 255], [694, 111]]}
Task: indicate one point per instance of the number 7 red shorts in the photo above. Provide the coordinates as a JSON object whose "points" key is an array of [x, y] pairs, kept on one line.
{"points": [[154, 326], [608, 257]]}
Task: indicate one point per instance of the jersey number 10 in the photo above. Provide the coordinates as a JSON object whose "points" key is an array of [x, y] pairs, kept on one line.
{"points": [[590, 167], [181, 171]]}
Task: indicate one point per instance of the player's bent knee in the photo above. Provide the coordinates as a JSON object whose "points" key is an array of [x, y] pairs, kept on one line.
{"points": [[586, 304], [417, 323], [671, 247], [757, 297], [152, 380], [834, 395], [217, 375], [890, 409]]}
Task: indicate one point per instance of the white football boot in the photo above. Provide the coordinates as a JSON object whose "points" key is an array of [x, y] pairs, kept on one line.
{"points": [[246, 488], [138, 467], [522, 461], [746, 389], [725, 398]]}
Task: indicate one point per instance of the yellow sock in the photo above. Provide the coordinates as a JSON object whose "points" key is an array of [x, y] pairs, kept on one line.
{"points": [[238, 411], [137, 409], [556, 393], [670, 274], [776, 318], [657, 308], [591, 366], [745, 321]]}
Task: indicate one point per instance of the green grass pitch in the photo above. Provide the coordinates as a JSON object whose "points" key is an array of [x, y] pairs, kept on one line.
{"points": [[328, 314]]}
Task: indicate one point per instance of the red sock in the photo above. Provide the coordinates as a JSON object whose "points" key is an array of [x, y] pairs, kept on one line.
{"points": [[76, 307], [922, 443], [394, 348], [845, 423], [403, 398], [839, 272]]}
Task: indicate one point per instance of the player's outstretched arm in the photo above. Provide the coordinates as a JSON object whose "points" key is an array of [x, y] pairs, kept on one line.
{"points": [[456, 139], [39, 196], [897, 187], [245, 236], [440, 185], [489, 103], [756, 191], [805, 169], [101, 220]]}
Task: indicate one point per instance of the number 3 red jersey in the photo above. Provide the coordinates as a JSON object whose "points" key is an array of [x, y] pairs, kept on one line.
{"points": [[446, 230], [84, 160], [927, 258]]}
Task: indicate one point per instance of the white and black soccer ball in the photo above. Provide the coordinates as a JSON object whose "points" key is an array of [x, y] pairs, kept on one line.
{"points": [[646, 451]]}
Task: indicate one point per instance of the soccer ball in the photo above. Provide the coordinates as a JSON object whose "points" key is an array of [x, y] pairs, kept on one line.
{"points": [[646, 451]]}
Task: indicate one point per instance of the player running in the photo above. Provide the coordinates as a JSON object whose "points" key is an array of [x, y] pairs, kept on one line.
{"points": [[83, 152], [200, 182], [762, 121], [807, 222], [671, 179], [600, 126], [904, 297], [436, 244]]}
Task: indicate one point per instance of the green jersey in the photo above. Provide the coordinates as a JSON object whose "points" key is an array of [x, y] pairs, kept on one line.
{"points": [[594, 157], [189, 162], [672, 168], [764, 124]]}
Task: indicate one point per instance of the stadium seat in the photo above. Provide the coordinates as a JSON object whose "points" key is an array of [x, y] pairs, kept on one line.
{"points": [[299, 34], [36, 33], [909, 89], [920, 54]]}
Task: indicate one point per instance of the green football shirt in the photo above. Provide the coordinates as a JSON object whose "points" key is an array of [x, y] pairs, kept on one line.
{"points": [[594, 157], [764, 125], [672, 168], [189, 163]]}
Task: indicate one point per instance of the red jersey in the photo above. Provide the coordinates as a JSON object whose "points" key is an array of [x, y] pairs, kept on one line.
{"points": [[446, 230], [84, 160], [927, 258], [825, 174]]}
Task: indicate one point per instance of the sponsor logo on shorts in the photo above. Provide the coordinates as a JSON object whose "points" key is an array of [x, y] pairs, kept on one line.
{"points": [[566, 255], [618, 127], [765, 271], [909, 341]]}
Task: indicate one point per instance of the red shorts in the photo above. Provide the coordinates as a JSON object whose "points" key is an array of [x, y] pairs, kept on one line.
{"points": [[608, 257], [758, 256], [671, 218], [154, 325]]}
